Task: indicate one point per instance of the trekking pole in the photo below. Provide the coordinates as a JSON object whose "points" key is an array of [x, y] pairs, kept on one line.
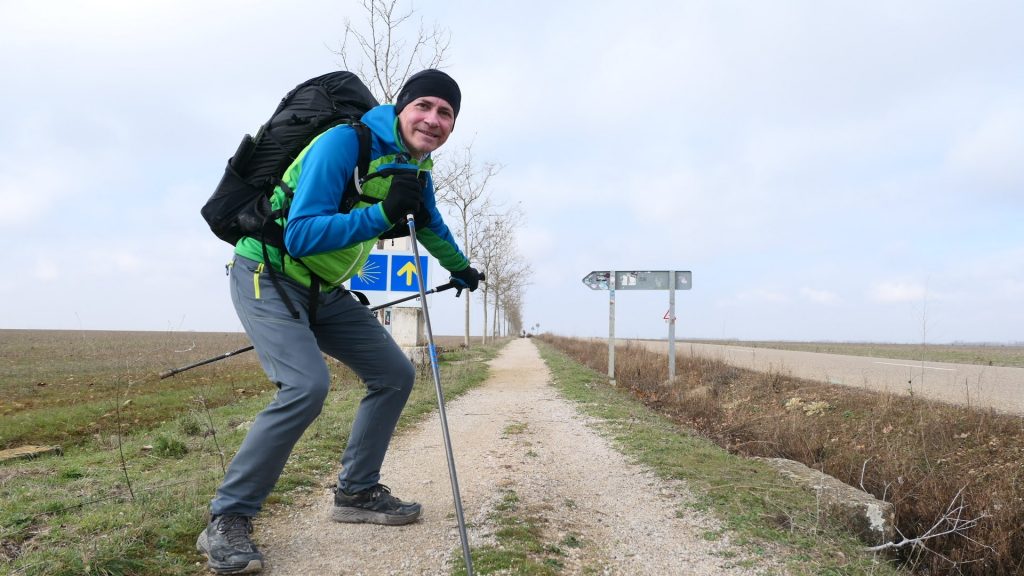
{"points": [[441, 288], [440, 399], [174, 371]]}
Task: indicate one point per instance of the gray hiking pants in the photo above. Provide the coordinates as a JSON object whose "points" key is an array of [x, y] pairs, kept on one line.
{"points": [[289, 350]]}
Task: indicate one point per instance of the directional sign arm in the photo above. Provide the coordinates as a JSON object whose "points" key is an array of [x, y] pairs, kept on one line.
{"points": [[597, 280], [637, 280]]}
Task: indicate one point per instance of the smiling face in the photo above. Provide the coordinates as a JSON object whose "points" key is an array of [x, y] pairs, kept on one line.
{"points": [[425, 124]]}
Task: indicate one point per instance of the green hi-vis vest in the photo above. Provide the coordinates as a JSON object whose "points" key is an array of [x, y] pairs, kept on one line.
{"points": [[334, 267]]}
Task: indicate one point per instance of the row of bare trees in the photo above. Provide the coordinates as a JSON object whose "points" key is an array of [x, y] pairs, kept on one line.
{"points": [[385, 55], [487, 231]]}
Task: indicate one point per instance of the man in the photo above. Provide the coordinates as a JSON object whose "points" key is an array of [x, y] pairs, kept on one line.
{"points": [[302, 311]]}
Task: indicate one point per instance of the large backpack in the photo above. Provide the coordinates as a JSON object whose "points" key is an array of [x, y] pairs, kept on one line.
{"points": [[240, 205]]}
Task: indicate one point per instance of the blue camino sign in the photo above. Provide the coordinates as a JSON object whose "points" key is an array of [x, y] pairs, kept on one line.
{"points": [[373, 275], [395, 272], [403, 273]]}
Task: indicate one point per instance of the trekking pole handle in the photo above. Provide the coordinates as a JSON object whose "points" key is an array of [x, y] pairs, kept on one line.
{"points": [[459, 289]]}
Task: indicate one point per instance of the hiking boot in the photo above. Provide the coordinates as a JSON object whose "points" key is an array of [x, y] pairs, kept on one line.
{"points": [[374, 505], [227, 546]]}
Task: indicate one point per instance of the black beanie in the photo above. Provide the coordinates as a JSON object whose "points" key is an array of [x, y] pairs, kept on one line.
{"points": [[429, 82]]}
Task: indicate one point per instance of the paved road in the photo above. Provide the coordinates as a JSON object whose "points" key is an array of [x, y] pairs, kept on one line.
{"points": [[996, 387]]}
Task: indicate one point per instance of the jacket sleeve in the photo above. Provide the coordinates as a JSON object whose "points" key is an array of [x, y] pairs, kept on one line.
{"points": [[314, 223], [437, 238]]}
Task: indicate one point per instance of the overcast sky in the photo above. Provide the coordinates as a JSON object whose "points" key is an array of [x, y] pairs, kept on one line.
{"points": [[827, 170]]}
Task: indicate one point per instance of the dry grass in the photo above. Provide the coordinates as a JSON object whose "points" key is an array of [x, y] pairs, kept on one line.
{"points": [[62, 387], [142, 455], [914, 453], [65, 386]]}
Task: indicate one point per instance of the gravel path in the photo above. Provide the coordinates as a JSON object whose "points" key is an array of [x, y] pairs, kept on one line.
{"points": [[513, 433]]}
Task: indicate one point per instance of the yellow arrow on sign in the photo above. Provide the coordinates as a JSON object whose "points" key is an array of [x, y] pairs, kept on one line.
{"points": [[409, 270]]}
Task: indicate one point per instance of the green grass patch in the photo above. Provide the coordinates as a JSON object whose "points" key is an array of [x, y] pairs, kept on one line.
{"points": [[520, 547], [515, 428], [169, 447]]}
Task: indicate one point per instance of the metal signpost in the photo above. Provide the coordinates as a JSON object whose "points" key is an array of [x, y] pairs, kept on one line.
{"points": [[670, 280], [611, 329]]}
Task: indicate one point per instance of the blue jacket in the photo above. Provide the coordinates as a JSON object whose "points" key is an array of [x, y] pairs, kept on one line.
{"points": [[335, 246]]}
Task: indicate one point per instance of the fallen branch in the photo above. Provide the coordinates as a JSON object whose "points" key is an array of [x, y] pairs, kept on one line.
{"points": [[951, 522]]}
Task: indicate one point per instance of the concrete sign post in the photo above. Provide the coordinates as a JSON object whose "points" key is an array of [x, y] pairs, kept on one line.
{"points": [[392, 271], [670, 280]]}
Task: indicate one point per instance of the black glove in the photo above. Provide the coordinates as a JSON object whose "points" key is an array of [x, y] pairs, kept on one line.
{"points": [[404, 196], [401, 229], [468, 278]]}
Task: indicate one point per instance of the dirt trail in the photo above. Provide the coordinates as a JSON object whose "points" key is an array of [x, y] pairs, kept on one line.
{"points": [[513, 433]]}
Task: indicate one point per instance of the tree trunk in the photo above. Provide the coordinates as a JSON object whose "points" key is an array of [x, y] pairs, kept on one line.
{"points": [[465, 236], [484, 333], [494, 323]]}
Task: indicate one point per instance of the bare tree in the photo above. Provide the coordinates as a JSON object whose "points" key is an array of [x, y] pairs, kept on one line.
{"points": [[461, 184], [508, 291], [514, 311], [508, 295], [382, 56], [497, 253]]}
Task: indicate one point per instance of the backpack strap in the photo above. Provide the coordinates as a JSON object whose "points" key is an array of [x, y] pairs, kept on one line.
{"points": [[361, 297], [314, 297], [277, 283], [352, 193]]}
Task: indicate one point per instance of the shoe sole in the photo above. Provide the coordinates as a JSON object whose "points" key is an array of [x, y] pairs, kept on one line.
{"points": [[252, 567], [362, 516]]}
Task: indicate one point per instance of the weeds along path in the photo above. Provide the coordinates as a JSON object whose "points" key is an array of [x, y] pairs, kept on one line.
{"points": [[515, 439]]}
